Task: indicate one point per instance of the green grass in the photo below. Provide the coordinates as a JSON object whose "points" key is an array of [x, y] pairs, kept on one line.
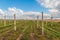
{"points": [[51, 32]]}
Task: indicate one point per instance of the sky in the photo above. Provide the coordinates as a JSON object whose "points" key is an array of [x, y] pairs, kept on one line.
{"points": [[30, 8], [25, 5]]}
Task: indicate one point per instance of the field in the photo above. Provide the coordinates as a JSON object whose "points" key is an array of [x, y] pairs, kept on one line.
{"points": [[28, 30]]}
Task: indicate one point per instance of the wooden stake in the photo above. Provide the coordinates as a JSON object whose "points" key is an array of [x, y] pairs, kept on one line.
{"points": [[42, 25], [14, 22]]}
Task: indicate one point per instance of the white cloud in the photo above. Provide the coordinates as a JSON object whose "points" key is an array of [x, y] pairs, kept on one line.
{"points": [[20, 14], [1, 12], [53, 10], [53, 5], [49, 3], [35, 14], [15, 11]]}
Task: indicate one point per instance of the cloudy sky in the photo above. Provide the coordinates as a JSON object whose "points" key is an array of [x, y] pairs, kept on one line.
{"points": [[29, 8]]}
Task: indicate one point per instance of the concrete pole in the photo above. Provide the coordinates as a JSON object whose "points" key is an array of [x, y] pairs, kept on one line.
{"points": [[1, 20], [46, 22], [51, 20], [14, 22], [37, 21], [42, 25], [34, 20], [5, 20], [9, 20]]}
